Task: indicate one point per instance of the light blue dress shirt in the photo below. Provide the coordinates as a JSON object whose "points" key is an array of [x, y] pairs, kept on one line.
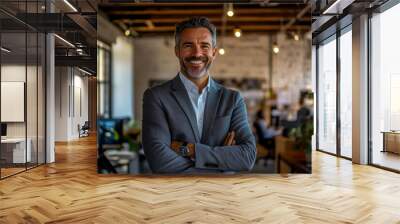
{"points": [[197, 99]]}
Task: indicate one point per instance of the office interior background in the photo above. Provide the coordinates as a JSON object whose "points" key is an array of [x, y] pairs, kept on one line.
{"points": [[354, 158], [128, 38], [264, 52], [48, 81]]}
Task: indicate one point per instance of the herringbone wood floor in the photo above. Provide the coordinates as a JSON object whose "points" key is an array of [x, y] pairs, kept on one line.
{"points": [[70, 191]]}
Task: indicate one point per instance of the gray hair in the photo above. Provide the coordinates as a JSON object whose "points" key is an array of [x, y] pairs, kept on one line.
{"points": [[195, 22]]}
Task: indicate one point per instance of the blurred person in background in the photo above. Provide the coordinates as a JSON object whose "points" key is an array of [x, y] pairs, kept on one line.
{"points": [[265, 133]]}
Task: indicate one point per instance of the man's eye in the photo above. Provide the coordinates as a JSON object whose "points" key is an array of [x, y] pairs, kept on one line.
{"points": [[205, 47], [187, 46]]}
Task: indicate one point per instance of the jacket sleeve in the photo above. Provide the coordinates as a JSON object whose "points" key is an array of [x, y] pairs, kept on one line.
{"points": [[156, 138], [239, 157]]}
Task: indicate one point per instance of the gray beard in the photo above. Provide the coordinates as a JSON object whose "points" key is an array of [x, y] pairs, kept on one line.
{"points": [[186, 72]]}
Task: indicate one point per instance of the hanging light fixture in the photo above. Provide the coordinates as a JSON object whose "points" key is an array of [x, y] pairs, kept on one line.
{"points": [[230, 12], [127, 32], [221, 51], [237, 32], [275, 48], [296, 37]]}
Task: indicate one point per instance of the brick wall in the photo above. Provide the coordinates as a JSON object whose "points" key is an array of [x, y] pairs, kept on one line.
{"points": [[245, 57]]}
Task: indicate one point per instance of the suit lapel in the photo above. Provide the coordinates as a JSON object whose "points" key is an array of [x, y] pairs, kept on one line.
{"points": [[182, 97], [210, 111]]}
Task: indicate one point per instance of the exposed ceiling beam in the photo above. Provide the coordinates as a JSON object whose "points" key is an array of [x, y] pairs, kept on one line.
{"points": [[274, 18], [111, 3], [84, 24], [244, 28], [288, 11], [303, 12]]}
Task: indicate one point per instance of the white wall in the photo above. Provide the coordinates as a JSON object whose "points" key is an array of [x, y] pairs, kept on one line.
{"points": [[71, 94], [33, 126], [12, 73], [122, 77]]}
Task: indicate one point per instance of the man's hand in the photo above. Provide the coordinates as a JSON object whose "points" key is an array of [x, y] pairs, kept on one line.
{"points": [[175, 145], [230, 139]]}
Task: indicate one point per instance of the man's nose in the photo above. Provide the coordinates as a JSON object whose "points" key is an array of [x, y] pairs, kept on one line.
{"points": [[197, 50]]}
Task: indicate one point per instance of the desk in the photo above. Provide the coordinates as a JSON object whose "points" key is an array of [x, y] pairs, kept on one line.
{"points": [[123, 161], [391, 141], [15, 148], [289, 160]]}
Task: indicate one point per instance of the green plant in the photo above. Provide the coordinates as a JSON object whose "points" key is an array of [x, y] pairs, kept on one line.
{"points": [[302, 135], [131, 133]]}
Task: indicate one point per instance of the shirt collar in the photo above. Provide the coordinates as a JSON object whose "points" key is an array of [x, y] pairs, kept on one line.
{"points": [[191, 87]]}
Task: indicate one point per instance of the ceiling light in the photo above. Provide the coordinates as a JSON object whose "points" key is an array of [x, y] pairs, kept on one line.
{"points": [[43, 7], [86, 72], [64, 40], [5, 50], [296, 37], [338, 6], [70, 5], [230, 12], [275, 48], [237, 32], [221, 51], [127, 32]]}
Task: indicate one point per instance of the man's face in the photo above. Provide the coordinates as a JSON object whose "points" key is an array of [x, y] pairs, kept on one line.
{"points": [[195, 52]]}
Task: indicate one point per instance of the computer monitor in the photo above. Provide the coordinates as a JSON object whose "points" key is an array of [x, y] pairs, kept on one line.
{"points": [[110, 130], [3, 129]]}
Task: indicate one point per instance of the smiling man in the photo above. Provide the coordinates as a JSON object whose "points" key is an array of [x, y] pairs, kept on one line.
{"points": [[191, 124]]}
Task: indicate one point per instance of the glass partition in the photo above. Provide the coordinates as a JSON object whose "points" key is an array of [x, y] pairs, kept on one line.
{"points": [[22, 89], [14, 153]]}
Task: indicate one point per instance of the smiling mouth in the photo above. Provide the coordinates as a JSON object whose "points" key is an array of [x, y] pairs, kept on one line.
{"points": [[197, 62]]}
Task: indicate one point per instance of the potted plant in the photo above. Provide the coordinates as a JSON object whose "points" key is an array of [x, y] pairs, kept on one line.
{"points": [[301, 136]]}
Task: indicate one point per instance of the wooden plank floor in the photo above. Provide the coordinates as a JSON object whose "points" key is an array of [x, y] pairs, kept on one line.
{"points": [[70, 191]]}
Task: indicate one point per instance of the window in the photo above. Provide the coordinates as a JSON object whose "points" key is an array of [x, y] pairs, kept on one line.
{"points": [[327, 96], [346, 93], [385, 88], [103, 82]]}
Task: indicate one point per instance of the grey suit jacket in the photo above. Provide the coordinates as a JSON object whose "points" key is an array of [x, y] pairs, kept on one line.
{"points": [[168, 115]]}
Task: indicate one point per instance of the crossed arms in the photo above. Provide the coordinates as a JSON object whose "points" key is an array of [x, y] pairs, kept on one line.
{"points": [[237, 154]]}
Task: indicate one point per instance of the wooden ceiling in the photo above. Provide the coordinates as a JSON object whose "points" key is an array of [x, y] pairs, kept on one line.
{"points": [[160, 18]]}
